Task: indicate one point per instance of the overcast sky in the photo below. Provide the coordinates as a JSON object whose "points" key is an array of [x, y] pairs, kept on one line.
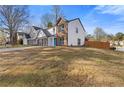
{"points": [[110, 18]]}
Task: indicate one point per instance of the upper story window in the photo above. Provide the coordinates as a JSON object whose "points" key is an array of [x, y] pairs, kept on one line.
{"points": [[76, 30], [62, 27], [53, 30]]}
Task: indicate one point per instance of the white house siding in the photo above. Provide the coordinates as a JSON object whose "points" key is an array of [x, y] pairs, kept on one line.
{"points": [[41, 34], [52, 30], [33, 33], [36, 38], [50, 41], [25, 42], [32, 41], [73, 36]]}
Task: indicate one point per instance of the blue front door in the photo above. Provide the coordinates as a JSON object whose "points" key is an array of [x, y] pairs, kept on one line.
{"points": [[54, 41]]}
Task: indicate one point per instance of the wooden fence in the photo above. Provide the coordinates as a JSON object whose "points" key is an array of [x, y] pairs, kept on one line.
{"points": [[97, 44]]}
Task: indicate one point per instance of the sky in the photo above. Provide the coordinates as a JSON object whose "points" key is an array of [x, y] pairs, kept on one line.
{"points": [[109, 18]]}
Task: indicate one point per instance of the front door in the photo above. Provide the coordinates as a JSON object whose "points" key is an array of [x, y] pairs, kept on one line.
{"points": [[54, 41]]}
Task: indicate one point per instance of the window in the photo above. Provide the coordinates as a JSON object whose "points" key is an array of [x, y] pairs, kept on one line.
{"points": [[79, 41], [76, 30], [62, 27], [53, 30]]}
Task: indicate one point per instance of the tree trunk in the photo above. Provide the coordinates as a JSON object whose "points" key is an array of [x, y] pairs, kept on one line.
{"points": [[13, 38]]}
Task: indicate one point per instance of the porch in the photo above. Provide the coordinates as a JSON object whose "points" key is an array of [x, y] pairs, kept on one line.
{"points": [[61, 41]]}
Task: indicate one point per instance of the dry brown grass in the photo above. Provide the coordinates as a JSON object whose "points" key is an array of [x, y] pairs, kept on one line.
{"points": [[62, 67]]}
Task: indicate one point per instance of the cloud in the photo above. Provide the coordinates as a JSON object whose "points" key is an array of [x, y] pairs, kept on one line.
{"points": [[113, 10]]}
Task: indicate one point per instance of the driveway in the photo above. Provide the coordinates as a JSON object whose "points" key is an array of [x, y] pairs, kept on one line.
{"points": [[120, 49], [14, 49]]}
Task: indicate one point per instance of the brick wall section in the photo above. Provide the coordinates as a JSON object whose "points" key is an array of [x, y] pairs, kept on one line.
{"points": [[97, 44], [64, 33]]}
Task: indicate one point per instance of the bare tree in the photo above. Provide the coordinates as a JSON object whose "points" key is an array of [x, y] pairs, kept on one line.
{"points": [[50, 19], [13, 18], [57, 12], [46, 19], [99, 34]]}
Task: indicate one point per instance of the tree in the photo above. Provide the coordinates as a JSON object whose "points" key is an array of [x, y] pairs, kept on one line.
{"points": [[13, 18], [110, 37], [99, 34], [90, 37], [52, 17], [57, 12], [119, 36], [49, 25], [46, 19]]}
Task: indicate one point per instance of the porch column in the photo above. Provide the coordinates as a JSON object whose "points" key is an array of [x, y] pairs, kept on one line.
{"points": [[65, 41]]}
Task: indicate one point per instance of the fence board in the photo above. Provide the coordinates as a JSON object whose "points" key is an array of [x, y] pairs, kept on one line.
{"points": [[97, 44]]}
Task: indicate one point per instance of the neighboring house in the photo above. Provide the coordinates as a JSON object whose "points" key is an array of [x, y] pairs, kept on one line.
{"points": [[39, 36], [121, 43], [23, 38], [4, 36], [117, 43], [64, 33], [1, 37]]}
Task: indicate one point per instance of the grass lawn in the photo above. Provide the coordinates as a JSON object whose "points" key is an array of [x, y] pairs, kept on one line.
{"points": [[62, 67]]}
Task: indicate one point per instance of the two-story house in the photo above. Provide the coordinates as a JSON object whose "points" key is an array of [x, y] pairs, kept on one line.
{"points": [[64, 33], [70, 32]]}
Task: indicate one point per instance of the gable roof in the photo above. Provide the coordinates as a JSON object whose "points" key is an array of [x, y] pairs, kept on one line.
{"points": [[60, 20], [36, 28], [20, 33], [45, 31], [71, 21], [79, 21], [26, 35]]}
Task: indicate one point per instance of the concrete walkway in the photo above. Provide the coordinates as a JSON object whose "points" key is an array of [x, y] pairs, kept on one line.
{"points": [[14, 49]]}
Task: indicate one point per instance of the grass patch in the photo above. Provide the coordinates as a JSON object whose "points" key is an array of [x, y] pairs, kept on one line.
{"points": [[62, 66]]}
